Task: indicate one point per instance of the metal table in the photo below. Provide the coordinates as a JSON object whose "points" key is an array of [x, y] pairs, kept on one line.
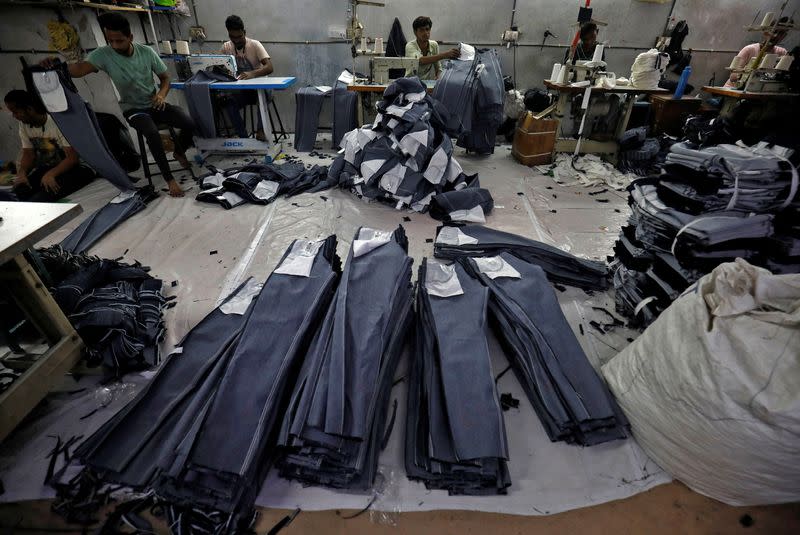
{"points": [[731, 96], [606, 148], [23, 225], [245, 145]]}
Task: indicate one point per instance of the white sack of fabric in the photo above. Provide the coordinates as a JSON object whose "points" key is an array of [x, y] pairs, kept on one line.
{"points": [[712, 387], [647, 69]]}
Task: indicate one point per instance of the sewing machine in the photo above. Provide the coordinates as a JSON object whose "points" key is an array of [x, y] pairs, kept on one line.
{"points": [[381, 65], [200, 62]]}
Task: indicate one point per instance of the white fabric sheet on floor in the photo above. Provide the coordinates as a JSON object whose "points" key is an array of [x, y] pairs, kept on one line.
{"points": [[176, 236]]}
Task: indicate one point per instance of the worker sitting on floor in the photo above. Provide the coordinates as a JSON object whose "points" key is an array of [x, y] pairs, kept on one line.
{"points": [[751, 51], [427, 51], [252, 61], [131, 67], [49, 168], [584, 51]]}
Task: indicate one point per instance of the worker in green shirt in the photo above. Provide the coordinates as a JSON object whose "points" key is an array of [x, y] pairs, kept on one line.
{"points": [[131, 67], [427, 51]]}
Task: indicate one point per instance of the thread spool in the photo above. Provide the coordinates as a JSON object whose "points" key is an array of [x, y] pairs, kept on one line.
{"points": [[784, 63], [737, 63], [182, 48], [554, 73], [364, 44], [769, 61], [562, 75], [379, 45], [769, 18], [166, 48], [598, 54]]}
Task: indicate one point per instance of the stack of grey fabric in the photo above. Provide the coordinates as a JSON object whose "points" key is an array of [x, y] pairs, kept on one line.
{"points": [[117, 309], [455, 434], [571, 400], [335, 422], [202, 435], [405, 157], [259, 183], [708, 206], [472, 89], [561, 267]]}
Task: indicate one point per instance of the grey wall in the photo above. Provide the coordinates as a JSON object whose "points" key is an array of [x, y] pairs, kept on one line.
{"points": [[296, 36]]}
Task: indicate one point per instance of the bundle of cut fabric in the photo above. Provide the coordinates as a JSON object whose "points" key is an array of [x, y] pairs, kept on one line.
{"points": [[707, 207], [471, 87], [178, 436], [570, 398], [455, 434], [731, 177], [116, 308], [107, 218], [406, 156], [260, 183], [561, 267], [335, 425]]}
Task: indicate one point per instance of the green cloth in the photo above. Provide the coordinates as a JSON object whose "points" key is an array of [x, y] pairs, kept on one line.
{"points": [[133, 75], [425, 72]]}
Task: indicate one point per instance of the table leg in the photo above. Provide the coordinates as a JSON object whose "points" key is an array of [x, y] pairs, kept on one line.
{"points": [[263, 102], [22, 282], [360, 112]]}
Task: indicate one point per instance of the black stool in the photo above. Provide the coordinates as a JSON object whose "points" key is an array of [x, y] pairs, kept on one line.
{"points": [[148, 174]]}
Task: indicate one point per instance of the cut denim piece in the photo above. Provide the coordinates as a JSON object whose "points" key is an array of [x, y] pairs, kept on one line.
{"points": [[455, 205], [572, 401], [455, 434], [198, 98], [561, 267], [335, 422], [309, 101], [473, 93], [79, 125], [104, 220]]}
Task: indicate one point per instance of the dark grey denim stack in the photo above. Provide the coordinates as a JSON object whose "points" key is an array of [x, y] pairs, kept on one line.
{"points": [[561, 267], [334, 426], [117, 309], [105, 220], [234, 445], [572, 401], [708, 206], [455, 434], [473, 91], [406, 156], [308, 102], [259, 183]]}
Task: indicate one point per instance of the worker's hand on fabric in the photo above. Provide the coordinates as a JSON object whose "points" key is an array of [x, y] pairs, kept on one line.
{"points": [[49, 182], [453, 53], [175, 189], [158, 102], [245, 76], [21, 180]]}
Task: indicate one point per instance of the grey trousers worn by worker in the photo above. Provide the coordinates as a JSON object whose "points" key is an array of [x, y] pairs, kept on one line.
{"points": [[147, 121], [68, 182]]}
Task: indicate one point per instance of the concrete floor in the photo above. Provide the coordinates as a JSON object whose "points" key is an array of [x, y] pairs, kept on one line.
{"points": [[533, 205]]}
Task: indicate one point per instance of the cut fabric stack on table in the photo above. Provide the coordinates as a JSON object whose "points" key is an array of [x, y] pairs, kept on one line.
{"points": [[707, 207]]}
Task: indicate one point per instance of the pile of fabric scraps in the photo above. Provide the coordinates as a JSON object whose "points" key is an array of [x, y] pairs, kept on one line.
{"points": [[405, 157], [257, 183], [708, 206], [335, 424], [472, 89], [107, 218], [116, 308], [571, 400], [455, 433], [560, 267], [202, 434], [587, 170]]}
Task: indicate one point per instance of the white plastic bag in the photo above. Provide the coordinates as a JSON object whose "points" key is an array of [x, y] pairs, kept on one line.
{"points": [[647, 69], [712, 388]]}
